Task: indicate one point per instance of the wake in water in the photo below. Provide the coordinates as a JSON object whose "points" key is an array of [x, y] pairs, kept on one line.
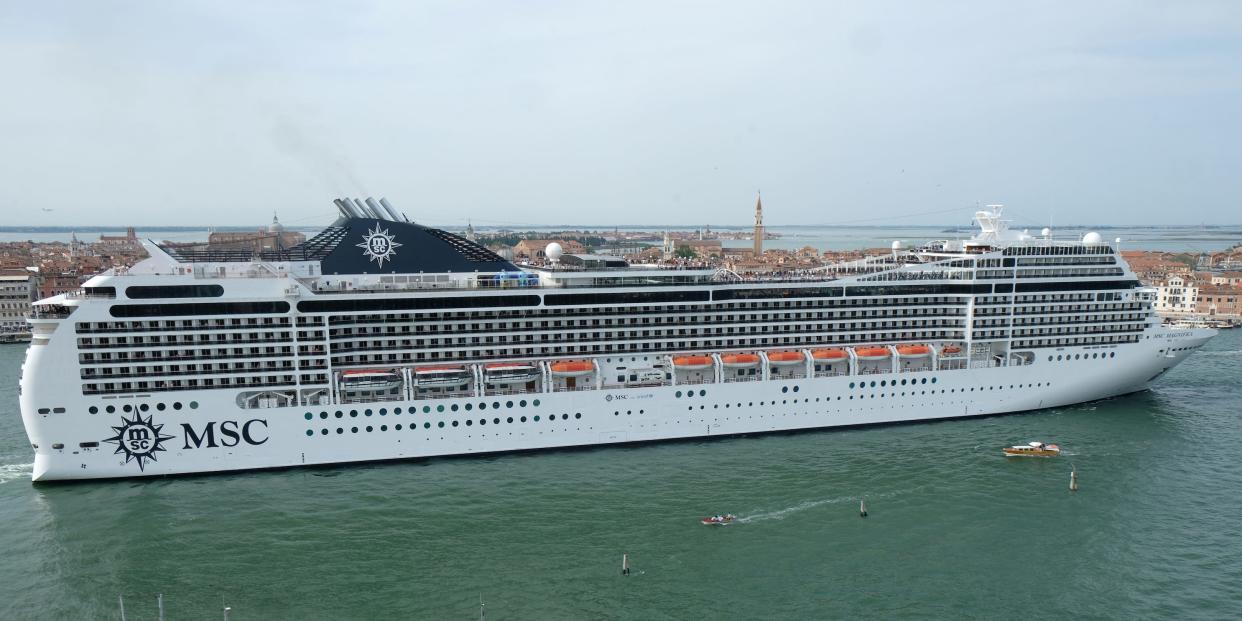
{"points": [[810, 504], [1227, 352], [12, 472]]}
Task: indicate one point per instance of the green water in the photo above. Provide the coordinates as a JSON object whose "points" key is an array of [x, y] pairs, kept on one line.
{"points": [[956, 530]]}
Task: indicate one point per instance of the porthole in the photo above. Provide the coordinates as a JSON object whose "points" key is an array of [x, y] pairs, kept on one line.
{"points": [[383, 411], [495, 405], [310, 432], [522, 403], [339, 414], [323, 432], [509, 419], [933, 380], [427, 409], [353, 413], [495, 421], [784, 389], [93, 409], [577, 415], [702, 393], [160, 406], [395, 411], [127, 407], [851, 384], [883, 383], [564, 417], [535, 403], [508, 404], [339, 430], [795, 389], [309, 416], [441, 424], [367, 412], [454, 423], [482, 406], [536, 418], [370, 429], [453, 407], [439, 408], [193, 405], [397, 427], [353, 430], [523, 419], [468, 407], [176, 405], [469, 423]]}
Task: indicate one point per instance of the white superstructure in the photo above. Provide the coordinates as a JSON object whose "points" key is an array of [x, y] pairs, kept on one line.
{"points": [[381, 339]]}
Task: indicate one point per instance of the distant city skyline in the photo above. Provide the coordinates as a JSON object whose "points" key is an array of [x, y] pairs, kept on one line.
{"points": [[650, 114]]}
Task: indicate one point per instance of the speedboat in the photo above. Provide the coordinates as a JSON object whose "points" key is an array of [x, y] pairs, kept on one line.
{"points": [[1032, 449], [718, 520]]}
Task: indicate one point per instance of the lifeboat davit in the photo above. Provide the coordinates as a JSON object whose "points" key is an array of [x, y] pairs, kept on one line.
{"points": [[510, 373], [692, 363], [426, 377], [785, 358], [572, 368], [913, 351], [949, 350], [871, 353], [739, 361], [830, 355]]}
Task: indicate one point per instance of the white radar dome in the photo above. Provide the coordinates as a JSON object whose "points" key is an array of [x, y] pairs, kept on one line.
{"points": [[1046, 232], [554, 252], [1092, 238], [897, 245]]}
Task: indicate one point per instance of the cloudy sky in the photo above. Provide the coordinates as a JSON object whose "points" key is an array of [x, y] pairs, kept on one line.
{"points": [[537, 112]]}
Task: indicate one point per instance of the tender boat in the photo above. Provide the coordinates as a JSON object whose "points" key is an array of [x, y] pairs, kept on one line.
{"points": [[370, 380], [871, 353], [692, 363], [1033, 449], [739, 361], [718, 520], [505, 373], [786, 358], [442, 376], [572, 368]]}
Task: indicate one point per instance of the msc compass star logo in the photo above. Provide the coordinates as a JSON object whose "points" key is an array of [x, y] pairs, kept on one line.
{"points": [[378, 245], [138, 439]]}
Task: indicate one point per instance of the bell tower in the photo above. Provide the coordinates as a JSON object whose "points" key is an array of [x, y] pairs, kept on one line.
{"points": [[758, 225]]}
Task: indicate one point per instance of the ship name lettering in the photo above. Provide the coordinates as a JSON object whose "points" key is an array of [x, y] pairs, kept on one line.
{"points": [[232, 433]]}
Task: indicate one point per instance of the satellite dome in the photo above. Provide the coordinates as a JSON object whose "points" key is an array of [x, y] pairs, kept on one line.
{"points": [[553, 252], [275, 226], [1046, 232], [897, 244], [1092, 238]]}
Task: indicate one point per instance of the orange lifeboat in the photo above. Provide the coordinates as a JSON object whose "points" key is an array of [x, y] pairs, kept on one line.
{"points": [[739, 361], [572, 368], [913, 351], [830, 355], [949, 350], [871, 353], [692, 363], [785, 358]]}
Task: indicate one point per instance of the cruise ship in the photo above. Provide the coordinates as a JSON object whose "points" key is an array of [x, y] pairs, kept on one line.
{"points": [[381, 339]]}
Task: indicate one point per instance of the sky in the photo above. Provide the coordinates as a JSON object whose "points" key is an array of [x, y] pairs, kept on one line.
{"points": [[621, 113]]}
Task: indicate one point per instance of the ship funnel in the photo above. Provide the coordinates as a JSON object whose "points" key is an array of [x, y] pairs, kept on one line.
{"points": [[367, 213], [379, 209], [347, 207], [388, 205], [392, 213]]}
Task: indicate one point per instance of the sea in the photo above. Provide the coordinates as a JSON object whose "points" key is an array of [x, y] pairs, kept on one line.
{"points": [[954, 529]]}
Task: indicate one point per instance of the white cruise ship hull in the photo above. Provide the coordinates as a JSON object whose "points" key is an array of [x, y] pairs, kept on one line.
{"points": [[218, 436]]}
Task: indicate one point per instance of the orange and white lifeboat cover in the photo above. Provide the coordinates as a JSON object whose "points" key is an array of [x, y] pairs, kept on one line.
{"points": [[692, 363], [1032, 449], [739, 361], [913, 351], [830, 355], [572, 368], [871, 353], [785, 358]]}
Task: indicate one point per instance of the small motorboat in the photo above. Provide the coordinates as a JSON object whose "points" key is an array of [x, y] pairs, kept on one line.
{"points": [[1032, 449], [718, 520]]}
